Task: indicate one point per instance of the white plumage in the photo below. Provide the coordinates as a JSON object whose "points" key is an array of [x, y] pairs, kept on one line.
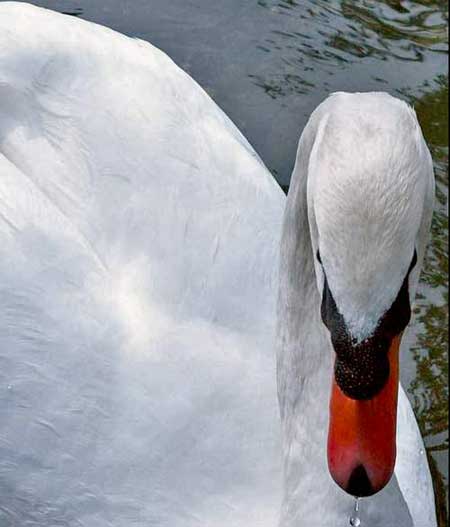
{"points": [[139, 240]]}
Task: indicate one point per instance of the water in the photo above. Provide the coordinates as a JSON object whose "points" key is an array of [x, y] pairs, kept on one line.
{"points": [[355, 520], [268, 63]]}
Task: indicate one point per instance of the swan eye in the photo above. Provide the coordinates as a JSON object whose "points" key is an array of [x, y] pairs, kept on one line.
{"points": [[318, 257], [397, 317]]}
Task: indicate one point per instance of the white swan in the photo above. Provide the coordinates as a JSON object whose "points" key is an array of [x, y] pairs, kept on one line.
{"points": [[139, 236]]}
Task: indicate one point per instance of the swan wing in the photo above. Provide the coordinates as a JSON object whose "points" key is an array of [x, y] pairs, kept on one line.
{"points": [[139, 237]]}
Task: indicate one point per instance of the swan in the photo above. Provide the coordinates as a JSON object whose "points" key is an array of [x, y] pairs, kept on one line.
{"points": [[139, 238], [355, 229]]}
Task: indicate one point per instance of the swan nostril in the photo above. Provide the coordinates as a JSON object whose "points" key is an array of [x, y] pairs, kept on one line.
{"points": [[359, 484]]}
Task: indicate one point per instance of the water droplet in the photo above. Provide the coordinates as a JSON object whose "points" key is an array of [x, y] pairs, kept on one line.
{"points": [[422, 451], [354, 518], [9, 387]]}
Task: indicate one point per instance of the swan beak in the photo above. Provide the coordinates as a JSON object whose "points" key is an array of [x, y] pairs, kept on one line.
{"points": [[361, 435]]}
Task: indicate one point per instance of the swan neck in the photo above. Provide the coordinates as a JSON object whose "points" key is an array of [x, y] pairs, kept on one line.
{"points": [[303, 347]]}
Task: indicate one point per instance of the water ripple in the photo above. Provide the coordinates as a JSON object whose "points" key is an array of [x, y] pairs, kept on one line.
{"points": [[333, 35]]}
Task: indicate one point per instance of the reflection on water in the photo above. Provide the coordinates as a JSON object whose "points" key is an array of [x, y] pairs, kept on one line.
{"points": [[331, 35]]}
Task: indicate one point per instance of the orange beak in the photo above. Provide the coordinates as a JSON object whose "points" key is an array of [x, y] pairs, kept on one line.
{"points": [[361, 435]]}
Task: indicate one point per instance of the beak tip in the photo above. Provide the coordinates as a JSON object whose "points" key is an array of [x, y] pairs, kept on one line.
{"points": [[359, 484]]}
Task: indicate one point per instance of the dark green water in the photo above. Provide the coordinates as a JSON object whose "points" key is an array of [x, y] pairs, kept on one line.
{"points": [[268, 63], [429, 388]]}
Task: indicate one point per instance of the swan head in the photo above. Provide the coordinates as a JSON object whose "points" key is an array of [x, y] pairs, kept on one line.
{"points": [[370, 200]]}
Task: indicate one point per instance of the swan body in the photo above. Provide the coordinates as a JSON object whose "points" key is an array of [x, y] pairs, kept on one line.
{"points": [[139, 239]]}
